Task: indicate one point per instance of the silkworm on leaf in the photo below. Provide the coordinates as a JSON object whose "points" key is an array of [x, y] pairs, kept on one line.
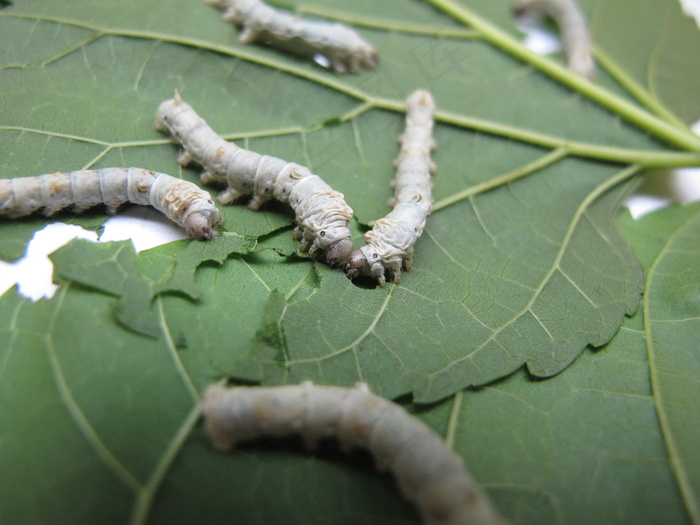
{"points": [[181, 201], [427, 472], [575, 38], [342, 46], [322, 216], [389, 244]]}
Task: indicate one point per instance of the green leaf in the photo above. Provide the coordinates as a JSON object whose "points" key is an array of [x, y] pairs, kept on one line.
{"points": [[521, 265], [437, 332], [113, 268], [587, 446], [489, 218], [672, 314], [584, 447], [613, 439]]}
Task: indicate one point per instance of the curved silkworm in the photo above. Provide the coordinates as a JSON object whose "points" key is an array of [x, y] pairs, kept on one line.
{"points": [[389, 244], [573, 28], [181, 201], [322, 216], [342, 46], [427, 472]]}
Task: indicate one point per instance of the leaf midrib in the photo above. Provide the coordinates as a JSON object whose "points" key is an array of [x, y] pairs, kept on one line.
{"points": [[650, 123], [678, 468]]}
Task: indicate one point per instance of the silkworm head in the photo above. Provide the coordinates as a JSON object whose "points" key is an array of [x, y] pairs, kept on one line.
{"points": [[338, 251], [164, 109], [370, 57], [357, 265], [161, 115], [199, 227], [200, 224]]}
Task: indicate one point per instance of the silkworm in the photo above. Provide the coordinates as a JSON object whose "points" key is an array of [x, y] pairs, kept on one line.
{"points": [[322, 216], [342, 46], [573, 28], [181, 201], [389, 244], [427, 472]]}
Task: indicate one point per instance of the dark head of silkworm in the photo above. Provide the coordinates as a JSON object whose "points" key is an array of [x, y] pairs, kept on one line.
{"points": [[338, 252], [357, 265], [369, 56], [199, 226], [200, 223], [361, 56]]}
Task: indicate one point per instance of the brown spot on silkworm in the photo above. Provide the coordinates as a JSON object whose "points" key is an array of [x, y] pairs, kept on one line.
{"points": [[181, 201], [427, 472], [317, 207], [389, 244]]}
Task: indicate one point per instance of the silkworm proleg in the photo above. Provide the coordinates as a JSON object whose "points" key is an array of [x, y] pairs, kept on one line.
{"points": [[182, 202], [389, 244], [343, 47], [427, 472], [322, 216]]}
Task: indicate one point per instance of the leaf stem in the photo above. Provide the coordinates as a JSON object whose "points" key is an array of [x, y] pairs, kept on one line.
{"points": [[172, 350], [636, 90], [630, 112], [387, 24], [57, 135], [455, 414], [81, 421], [643, 158], [147, 495], [536, 165]]}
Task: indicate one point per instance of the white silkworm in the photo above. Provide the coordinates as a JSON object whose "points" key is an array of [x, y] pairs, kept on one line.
{"points": [[181, 201], [427, 472], [322, 216], [342, 46], [572, 26], [389, 244]]}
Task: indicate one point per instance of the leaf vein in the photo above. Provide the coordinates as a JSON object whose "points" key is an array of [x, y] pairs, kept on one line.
{"points": [[81, 421]]}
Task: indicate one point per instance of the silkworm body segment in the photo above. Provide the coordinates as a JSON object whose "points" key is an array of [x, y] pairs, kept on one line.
{"points": [[343, 47], [575, 37], [389, 244], [181, 201], [426, 470], [322, 216]]}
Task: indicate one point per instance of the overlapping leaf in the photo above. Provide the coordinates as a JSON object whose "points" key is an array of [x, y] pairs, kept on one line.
{"points": [[610, 440], [512, 264]]}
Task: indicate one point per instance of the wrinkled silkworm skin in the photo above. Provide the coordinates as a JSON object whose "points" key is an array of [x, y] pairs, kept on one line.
{"points": [[343, 47], [427, 472], [181, 201], [389, 244], [322, 216], [576, 40]]}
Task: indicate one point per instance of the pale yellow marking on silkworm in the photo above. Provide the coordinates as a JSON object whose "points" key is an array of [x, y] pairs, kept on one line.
{"points": [[322, 216], [182, 202], [389, 244]]}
